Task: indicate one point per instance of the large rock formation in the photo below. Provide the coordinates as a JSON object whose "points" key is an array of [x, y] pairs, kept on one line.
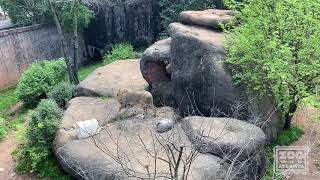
{"points": [[134, 21], [130, 144], [200, 82]]}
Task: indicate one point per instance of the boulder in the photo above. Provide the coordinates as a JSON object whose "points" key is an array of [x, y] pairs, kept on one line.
{"points": [[81, 109], [128, 146], [230, 139], [201, 82], [108, 81], [200, 79], [212, 18], [154, 62]]}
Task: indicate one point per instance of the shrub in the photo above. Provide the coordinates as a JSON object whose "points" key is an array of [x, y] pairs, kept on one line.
{"points": [[171, 9], [62, 93], [36, 152], [40, 79], [44, 123], [120, 51], [276, 50]]}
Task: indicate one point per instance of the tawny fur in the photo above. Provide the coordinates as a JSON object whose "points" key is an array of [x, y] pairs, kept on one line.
{"points": [[130, 99]]}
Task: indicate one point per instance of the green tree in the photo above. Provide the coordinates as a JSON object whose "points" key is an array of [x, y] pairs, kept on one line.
{"points": [[276, 50], [80, 15], [26, 12], [68, 16]]}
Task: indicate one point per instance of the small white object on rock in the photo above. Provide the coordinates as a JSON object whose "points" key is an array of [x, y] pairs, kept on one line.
{"points": [[2, 169], [164, 125], [87, 128]]}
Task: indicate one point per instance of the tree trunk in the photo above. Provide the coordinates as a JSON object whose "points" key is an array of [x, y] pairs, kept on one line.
{"points": [[71, 70], [75, 40]]}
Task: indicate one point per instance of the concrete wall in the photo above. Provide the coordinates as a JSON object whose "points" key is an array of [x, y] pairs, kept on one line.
{"points": [[20, 47]]}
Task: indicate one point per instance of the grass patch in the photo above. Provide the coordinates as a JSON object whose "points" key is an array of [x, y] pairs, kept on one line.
{"points": [[3, 129], [285, 139], [8, 98], [121, 51], [289, 136], [19, 120], [85, 71]]}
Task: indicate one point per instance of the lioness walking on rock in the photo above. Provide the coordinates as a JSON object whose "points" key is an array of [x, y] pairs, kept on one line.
{"points": [[129, 99]]}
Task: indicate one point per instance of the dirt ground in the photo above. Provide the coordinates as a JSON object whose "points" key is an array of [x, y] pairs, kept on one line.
{"points": [[7, 164], [309, 120]]}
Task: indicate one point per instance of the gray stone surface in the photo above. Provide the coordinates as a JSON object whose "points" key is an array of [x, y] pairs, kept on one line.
{"points": [[154, 62], [231, 139], [164, 125], [201, 82], [113, 78], [81, 109], [132, 139], [200, 78], [163, 94], [212, 18], [124, 144]]}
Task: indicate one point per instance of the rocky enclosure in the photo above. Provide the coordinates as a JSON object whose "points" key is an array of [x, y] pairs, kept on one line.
{"points": [[136, 140], [188, 71]]}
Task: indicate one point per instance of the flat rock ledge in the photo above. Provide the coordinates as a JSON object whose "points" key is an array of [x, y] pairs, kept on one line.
{"points": [[212, 18], [107, 81]]}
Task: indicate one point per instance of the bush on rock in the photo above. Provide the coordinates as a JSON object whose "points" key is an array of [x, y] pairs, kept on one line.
{"points": [[39, 79]]}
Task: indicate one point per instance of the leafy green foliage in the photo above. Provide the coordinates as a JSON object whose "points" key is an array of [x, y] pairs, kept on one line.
{"points": [[3, 129], [235, 4], [81, 12], [171, 9], [26, 12], [35, 152], [39, 79], [276, 50], [120, 51], [44, 123], [62, 93]]}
